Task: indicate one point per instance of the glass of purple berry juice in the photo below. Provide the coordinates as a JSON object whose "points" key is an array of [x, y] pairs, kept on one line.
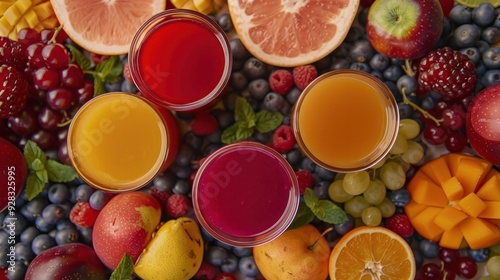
{"points": [[245, 194], [181, 60]]}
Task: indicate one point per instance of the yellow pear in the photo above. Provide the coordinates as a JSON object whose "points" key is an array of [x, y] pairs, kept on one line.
{"points": [[175, 252], [300, 253]]}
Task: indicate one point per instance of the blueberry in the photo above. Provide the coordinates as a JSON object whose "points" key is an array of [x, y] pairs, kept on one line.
{"points": [[490, 77], [182, 172], [397, 61], [53, 213], [164, 181], [482, 46], [394, 89], [214, 137], [224, 21], [428, 103], [345, 227], [66, 223], [20, 222], [479, 255], [217, 255], [274, 102], [408, 83], [379, 62], [361, 51], [98, 199], [324, 173], [321, 189], [361, 66], [484, 14], [293, 157], [242, 251], [473, 54], [206, 236], [58, 193], [258, 88], [491, 35], [210, 148], [4, 250], [238, 80], [230, 264], [4, 238], [254, 68], [354, 34], [28, 235], [34, 208], [293, 95], [419, 259], [447, 28], [85, 235], [42, 225], [113, 87], [248, 267], [491, 57], [340, 63], [266, 137], [400, 197], [307, 164], [405, 110], [429, 249], [466, 35], [67, 235], [393, 73], [24, 253], [182, 187], [83, 192], [19, 272], [185, 155], [127, 86], [378, 74], [42, 243], [238, 50], [224, 118], [460, 14]]}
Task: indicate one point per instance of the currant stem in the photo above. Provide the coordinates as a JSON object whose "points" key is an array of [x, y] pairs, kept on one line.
{"points": [[408, 68], [322, 234], [56, 32], [416, 107]]}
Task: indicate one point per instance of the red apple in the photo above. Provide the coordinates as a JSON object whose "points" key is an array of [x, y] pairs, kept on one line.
{"points": [[483, 124], [125, 226], [13, 172], [68, 261], [404, 29]]}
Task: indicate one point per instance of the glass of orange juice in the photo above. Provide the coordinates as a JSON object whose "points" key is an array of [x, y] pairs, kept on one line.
{"points": [[346, 120], [121, 141]]}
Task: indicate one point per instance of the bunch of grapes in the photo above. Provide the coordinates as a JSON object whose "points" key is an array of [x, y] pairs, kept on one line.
{"points": [[364, 193], [58, 87]]}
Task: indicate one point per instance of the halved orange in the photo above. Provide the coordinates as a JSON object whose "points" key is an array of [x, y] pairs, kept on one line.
{"points": [[372, 253], [104, 27], [292, 33]]}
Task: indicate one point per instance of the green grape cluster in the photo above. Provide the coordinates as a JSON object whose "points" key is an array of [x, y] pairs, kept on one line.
{"points": [[364, 193]]}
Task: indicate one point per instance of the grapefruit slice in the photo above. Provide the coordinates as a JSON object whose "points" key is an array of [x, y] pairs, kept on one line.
{"points": [[104, 27], [288, 33]]}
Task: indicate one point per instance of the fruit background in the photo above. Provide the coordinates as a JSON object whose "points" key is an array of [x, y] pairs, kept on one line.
{"points": [[53, 77]]}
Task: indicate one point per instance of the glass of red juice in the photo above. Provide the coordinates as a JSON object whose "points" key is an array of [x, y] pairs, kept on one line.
{"points": [[245, 194], [181, 59]]}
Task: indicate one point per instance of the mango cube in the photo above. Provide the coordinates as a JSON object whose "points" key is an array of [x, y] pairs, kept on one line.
{"points": [[430, 194], [492, 210], [452, 189], [452, 238], [490, 190], [479, 233], [437, 170], [472, 205], [424, 223], [449, 218], [469, 173]]}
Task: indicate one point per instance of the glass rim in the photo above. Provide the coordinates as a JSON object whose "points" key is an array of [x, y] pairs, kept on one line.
{"points": [[161, 18], [272, 232], [392, 121], [130, 186]]}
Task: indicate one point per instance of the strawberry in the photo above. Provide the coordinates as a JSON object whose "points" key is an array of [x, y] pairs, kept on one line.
{"points": [[304, 75], [14, 90], [400, 224]]}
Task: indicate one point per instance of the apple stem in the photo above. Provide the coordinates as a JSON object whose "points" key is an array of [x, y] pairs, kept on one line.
{"points": [[322, 234], [408, 68], [416, 107]]}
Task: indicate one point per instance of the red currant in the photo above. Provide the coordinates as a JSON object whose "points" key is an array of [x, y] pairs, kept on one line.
{"points": [[60, 99], [28, 36], [72, 76], [56, 56], [434, 134], [466, 267], [45, 78]]}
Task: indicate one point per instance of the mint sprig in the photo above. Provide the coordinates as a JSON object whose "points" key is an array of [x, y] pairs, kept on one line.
{"points": [[124, 269], [322, 209], [247, 122], [107, 71], [42, 170]]}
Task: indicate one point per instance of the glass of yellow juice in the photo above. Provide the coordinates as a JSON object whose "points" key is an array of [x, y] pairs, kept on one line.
{"points": [[120, 141], [346, 120]]}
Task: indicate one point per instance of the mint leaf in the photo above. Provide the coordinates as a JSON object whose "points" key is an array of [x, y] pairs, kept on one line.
{"points": [[243, 132], [42, 175], [243, 112], [60, 173], [330, 212], [303, 217], [124, 269], [311, 199], [79, 58], [267, 121], [32, 152], [109, 70], [229, 134], [37, 165], [98, 87], [33, 185]]}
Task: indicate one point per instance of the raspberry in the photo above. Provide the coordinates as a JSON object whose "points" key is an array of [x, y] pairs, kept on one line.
{"points": [[12, 53], [206, 271], [83, 215], [126, 73], [14, 90], [304, 75], [281, 81], [283, 139], [204, 124], [161, 196], [177, 205], [98, 58], [400, 224], [447, 72], [305, 179], [226, 276]]}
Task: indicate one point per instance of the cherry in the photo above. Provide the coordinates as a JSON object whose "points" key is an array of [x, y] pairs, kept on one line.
{"points": [[44, 139], [45, 78], [49, 119], [28, 36], [60, 99], [454, 117], [434, 134], [56, 56], [448, 256], [456, 142], [24, 123], [466, 267], [72, 76], [86, 92], [430, 271], [35, 59]]}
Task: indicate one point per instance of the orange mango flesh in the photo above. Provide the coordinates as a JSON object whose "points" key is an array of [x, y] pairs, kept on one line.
{"points": [[456, 202]]}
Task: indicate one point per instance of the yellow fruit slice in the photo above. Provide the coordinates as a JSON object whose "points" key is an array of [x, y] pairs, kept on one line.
{"points": [[292, 33], [372, 253], [104, 27], [19, 14], [475, 3]]}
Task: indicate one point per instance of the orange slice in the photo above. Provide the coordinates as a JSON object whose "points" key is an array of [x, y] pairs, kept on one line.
{"points": [[102, 26], [292, 33], [372, 253]]}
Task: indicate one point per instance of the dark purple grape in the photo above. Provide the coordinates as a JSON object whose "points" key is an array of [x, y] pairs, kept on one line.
{"points": [[45, 139], [24, 123], [34, 53]]}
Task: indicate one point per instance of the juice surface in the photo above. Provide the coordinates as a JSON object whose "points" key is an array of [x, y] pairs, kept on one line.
{"points": [[244, 193], [181, 61], [342, 120], [118, 141]]}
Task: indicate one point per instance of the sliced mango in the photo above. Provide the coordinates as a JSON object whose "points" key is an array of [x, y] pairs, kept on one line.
{"points": [[469, 173], [437, 170], [453, 189], [472, 205], [492, 210], [490, 190], [479, 233], [449, 218], [412, 209], [452, 238], [424, 223], [430, 194]]}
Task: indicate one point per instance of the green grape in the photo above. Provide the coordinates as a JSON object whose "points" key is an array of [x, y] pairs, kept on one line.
{"points": [[371, 216], [355, 206], [392, 175], [375, 193], [489, 277], [409, 128], [414, 153], [356, 182], [337, 193], [493, 266], [380, 163], [387, 208], [400, 146]]}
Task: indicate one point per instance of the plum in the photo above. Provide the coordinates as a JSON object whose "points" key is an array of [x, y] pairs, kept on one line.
{"points": [[13, 171], [68, 261]]}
